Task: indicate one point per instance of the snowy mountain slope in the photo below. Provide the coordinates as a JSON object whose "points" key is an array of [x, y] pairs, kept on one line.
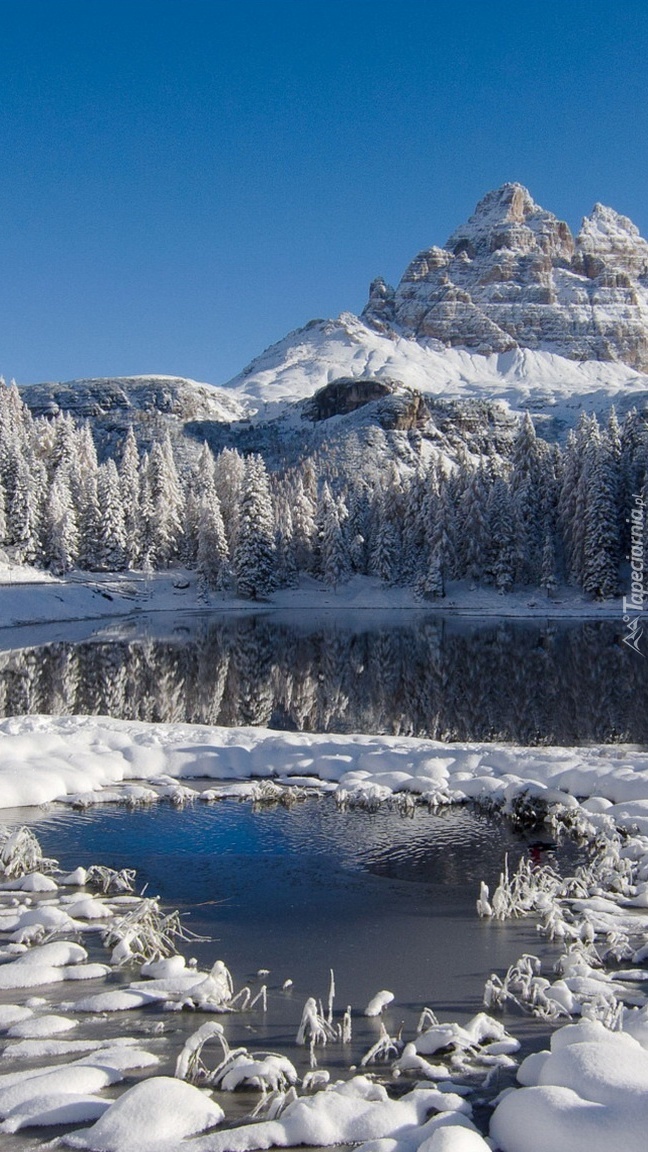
{"points": [[326, 350]]}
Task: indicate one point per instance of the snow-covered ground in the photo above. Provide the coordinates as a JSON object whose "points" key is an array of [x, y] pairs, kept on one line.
{"points": [[31, 596], [46, 758]]}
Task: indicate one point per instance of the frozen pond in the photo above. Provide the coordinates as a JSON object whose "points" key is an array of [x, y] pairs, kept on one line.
{"points": [[425, 675], [388, 901]]}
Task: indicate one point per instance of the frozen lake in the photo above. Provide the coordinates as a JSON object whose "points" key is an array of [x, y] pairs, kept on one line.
{"points": [[427, 675], [387, 901]]}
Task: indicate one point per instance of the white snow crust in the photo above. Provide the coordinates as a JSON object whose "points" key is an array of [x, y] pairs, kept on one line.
{"points": [[44, 758], [326, 350]]}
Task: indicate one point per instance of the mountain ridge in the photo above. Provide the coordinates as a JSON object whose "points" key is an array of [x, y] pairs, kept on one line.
{"points": [[513, 309], [513, 275]]}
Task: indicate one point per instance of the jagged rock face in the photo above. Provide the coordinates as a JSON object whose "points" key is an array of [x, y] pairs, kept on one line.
{"points": [[514, 276]]}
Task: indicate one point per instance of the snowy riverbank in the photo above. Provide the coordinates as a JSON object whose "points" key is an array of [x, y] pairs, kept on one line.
{"points": [[31, 596], [46, 758]]}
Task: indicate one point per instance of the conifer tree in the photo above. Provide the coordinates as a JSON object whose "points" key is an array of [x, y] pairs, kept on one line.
{"points": [[61, 534], [25, 511], [334, 557], [502, 549], [254, 558], [548, 579], [602, 539], [168, 503], [212, 553], [229, 476], [129, 487], [112, 554], [304, 526]]}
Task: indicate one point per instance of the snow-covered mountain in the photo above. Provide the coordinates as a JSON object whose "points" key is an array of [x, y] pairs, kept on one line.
{"points": [[513, 307], [514, 276], [150, 404]]}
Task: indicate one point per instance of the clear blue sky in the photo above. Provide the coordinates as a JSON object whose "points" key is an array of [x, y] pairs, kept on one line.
{"points": [[184, 181]]}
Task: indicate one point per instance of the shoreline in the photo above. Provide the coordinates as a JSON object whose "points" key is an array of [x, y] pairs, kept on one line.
{"points": [[29, 597]]}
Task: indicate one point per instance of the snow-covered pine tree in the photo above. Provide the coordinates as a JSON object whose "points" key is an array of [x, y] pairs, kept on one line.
{"points": [[548, 578], [531, 470], [474, 526], [254, 558], [304, 525], [129, 487], [501, 525], [61, 533], [64, 442], [146, 543], [567, 500], [112, 556], [386, 545], [286, 569], [335, 566], [88, 518], [168, 503], [229, 475], [25, 510], [432, 585], [602, 539], [212, 553]]}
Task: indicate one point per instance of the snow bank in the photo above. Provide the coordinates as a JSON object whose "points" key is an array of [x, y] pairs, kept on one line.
{"points": [[45, 758], [154, 1115], [589, 1094], [348, 1112]]}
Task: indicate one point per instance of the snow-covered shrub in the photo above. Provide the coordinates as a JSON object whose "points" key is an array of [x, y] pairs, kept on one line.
{"points": [[21, 853], [111, 880], [145, 933]]}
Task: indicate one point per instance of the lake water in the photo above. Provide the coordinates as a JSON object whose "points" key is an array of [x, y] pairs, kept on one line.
{"points": [[427, 675], [387, 901]]}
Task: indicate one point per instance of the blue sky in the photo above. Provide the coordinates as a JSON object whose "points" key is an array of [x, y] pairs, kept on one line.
{"points": [[185, 181]]}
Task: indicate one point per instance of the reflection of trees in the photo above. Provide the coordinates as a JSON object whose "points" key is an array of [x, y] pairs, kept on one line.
{"points": [[519, 682]]}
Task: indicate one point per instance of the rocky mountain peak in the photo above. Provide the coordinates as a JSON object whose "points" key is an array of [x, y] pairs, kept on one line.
{"points": [[509, 218], [514, 276], [613, 241]]}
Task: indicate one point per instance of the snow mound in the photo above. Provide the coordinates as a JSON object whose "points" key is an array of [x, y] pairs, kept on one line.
{"points": [[590, 1094], [153, 1115]]}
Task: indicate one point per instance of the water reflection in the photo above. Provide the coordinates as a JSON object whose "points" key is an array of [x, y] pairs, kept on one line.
{"points": [[450, 680]]}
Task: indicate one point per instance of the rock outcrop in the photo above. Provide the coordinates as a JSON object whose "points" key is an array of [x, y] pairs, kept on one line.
{"points": [[514, 276]]}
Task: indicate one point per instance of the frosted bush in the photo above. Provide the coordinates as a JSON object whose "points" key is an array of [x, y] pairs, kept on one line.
{"points": [[314, 1026], [189, 1065], [145, 933], [21, 853], [528, 889], [385, 1048], [111, 880]]}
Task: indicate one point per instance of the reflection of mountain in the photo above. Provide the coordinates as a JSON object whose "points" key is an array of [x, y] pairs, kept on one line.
{"points": [[526, 683]]}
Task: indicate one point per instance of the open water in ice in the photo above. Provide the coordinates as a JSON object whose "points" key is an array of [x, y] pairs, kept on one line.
{"points": [[387, 901]]}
